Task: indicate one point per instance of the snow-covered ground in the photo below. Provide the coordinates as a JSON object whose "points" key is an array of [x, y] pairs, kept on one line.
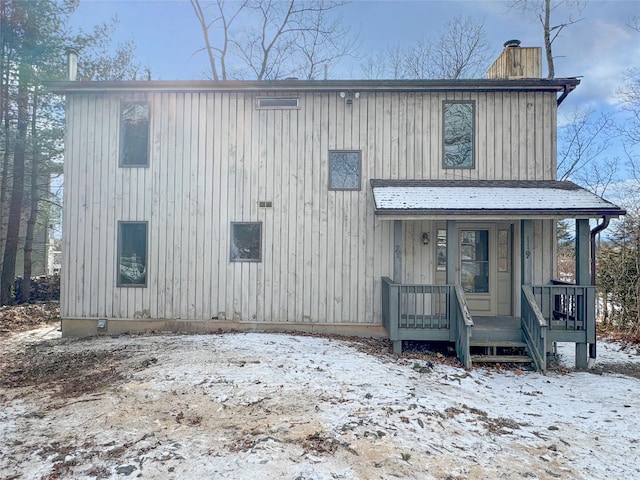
{"points": [[263, 406]]}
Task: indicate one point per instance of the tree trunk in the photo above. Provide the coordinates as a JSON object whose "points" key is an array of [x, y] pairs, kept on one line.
{"points": [[547, 38], [25, 291], [17, 189], [4, 116]]}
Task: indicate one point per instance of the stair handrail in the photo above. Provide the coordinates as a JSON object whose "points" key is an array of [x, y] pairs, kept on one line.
{"points": [[464, 325], [534, 328]]}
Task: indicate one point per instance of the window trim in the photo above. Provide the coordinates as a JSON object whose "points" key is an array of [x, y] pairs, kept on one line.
{"points": [[473, 134], [274, 106], [121, 134], [231, 242], [118, 253], [345, 189]]}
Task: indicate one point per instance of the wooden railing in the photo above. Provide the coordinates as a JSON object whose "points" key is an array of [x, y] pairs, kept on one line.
{"points": [[414, 306], [428, 307], [534, 327], [464, 325], [390, 307], [566, 306], [423, 306]]}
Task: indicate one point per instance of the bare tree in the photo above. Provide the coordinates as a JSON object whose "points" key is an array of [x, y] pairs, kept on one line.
{"points": [[388, 63], [221, 19], [544, 10], [582, 141], [272, 39], [417, 60], [461, 50]]}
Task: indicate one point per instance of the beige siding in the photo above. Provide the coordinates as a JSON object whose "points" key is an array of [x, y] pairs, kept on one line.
{"points": [[214, 157]]}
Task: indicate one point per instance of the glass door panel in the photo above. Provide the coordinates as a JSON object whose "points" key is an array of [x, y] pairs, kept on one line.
{"points": [[474, 261]]}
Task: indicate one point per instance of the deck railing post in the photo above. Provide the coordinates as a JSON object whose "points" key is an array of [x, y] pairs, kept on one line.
{"points": [[394, 317]]}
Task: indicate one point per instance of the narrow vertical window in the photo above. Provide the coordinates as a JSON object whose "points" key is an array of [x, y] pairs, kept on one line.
{"points": [[442, 250], [503, 250], [132, 254], [458, 135], [246, 242], [134, 134], [344, 170]]}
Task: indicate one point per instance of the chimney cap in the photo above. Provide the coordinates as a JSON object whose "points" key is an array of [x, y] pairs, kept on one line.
{"points": [[512, 43]]}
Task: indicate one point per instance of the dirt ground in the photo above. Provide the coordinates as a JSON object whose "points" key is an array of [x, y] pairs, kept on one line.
{"points": [[247, 406]]}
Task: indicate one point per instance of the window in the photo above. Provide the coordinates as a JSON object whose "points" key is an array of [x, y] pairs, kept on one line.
{"points": [[132, 254], [442, 250], [458, 134], [246, 242], [474, 261], [278, 102], [134, 134], [503, 250], [344, 170]]}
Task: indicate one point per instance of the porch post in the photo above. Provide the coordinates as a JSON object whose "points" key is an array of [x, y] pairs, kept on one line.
{"points": [[526, 253], [397, 251], [452, 277], [397, 274], [583, 257], [452, 252], [583, 277]]}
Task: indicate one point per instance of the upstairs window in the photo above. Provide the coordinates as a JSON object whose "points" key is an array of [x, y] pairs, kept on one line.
{"points": [[458, 128], [134, 134], [344, 170], [132, 254]]}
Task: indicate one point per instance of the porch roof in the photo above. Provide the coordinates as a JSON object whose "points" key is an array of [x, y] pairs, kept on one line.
{"points": [[486, 199]]}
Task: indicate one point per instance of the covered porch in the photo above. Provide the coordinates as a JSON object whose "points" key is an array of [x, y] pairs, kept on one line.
{"points": [[466, 304]]}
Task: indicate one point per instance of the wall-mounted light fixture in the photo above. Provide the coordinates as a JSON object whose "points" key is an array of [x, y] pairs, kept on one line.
{"points": [[425, 238], [348, 96]]}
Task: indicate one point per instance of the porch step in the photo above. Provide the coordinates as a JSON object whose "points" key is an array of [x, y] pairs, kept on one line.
{"points": [[497, 343], [501, 359]]}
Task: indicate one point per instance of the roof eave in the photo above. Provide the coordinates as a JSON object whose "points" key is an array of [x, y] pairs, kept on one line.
{"points": [[486, 214], [534, 84]]}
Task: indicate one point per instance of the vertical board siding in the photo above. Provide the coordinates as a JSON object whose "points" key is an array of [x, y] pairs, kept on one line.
{"points": [[213, 157]]}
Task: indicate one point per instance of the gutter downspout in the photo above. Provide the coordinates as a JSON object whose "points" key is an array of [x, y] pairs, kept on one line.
{"points": [[596, 230]]}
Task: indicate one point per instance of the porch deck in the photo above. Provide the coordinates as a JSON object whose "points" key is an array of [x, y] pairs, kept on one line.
{"points": [[549, 313]]}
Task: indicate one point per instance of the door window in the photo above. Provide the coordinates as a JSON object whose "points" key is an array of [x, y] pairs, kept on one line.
{"points": [[474, 261]]}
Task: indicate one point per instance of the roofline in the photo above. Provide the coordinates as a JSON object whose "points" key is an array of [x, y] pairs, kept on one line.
{"points": [[292, 85], [396, 182], [510, 213]]}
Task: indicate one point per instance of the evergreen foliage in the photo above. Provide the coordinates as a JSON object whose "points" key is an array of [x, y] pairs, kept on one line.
{"points": [[34, 36]]}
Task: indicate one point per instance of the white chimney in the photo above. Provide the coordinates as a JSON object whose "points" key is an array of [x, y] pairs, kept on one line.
{"points": [[72, 64]]}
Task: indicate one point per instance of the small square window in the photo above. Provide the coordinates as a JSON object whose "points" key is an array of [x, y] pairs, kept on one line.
{"points": [[246, 242], [134, 134], [344, 170], [458, 128], [132, 254]]}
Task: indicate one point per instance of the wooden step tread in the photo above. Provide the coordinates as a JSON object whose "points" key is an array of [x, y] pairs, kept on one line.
{"points": [[497, 343], [501, 358]]}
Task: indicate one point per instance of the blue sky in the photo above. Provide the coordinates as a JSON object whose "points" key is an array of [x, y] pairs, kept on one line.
{"points": [[599, 48]]}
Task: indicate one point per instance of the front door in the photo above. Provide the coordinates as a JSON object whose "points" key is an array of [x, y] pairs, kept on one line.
{"points": [[476, 268], [484, 267]]}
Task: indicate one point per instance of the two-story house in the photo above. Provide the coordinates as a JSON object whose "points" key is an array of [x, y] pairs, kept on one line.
{"points": [[417, 209]]}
